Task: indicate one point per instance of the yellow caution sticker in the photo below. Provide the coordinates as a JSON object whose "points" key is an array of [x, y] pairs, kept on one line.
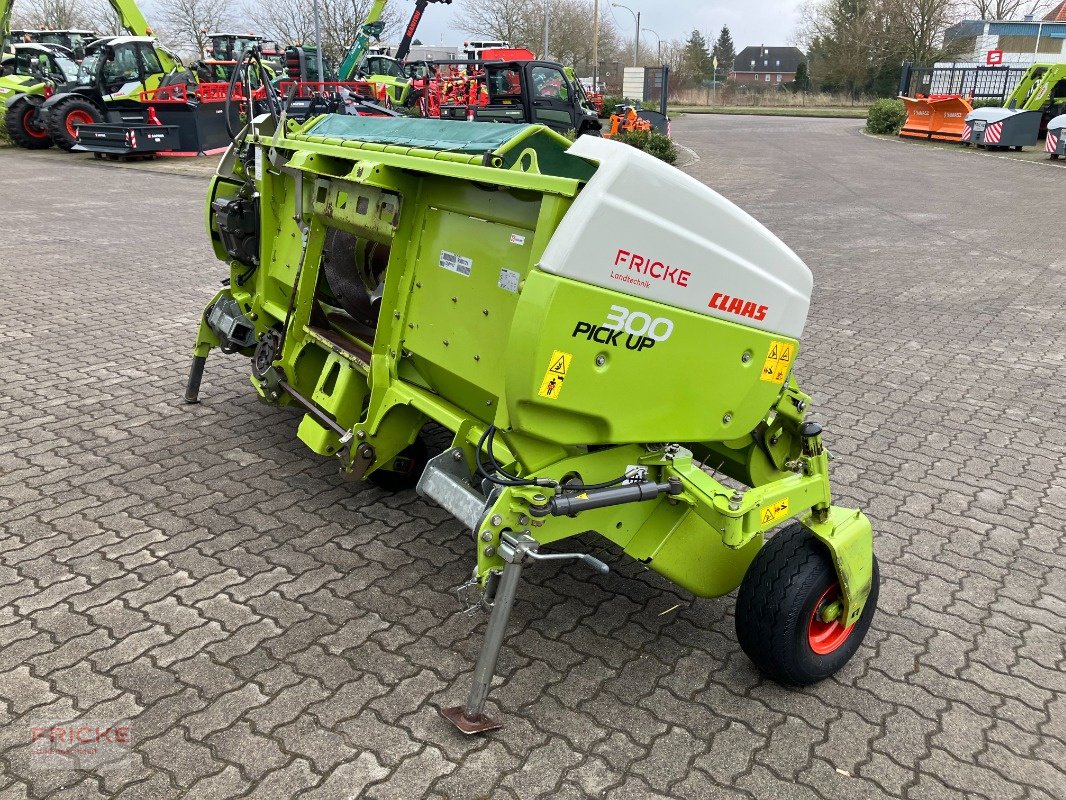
{"points": [[555, 376], [778, 362], [774, 512]]}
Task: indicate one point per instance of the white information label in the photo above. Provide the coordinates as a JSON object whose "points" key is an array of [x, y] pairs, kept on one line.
{"points": [[517, 239], [509, 280], [258, 163], [456, 263]]}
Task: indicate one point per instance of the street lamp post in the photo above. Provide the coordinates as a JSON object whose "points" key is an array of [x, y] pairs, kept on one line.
{"points": [[660, 41], [636, 45], [318, 47], [545, 56]]}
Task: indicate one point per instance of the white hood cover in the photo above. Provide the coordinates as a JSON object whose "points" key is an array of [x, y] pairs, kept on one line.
{"points": [[646, 229]]}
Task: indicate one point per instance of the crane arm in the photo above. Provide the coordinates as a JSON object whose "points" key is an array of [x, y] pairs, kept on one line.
{"points": [[372, 29], [409, 33], [1035, 88], [130, 17], [5, 17]]}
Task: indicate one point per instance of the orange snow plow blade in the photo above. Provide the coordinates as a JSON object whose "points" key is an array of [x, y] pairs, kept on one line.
{"points": [[940, 118], [949, 118], [919, 118]]}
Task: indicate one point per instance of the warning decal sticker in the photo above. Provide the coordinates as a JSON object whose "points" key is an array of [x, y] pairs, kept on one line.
{"points": [[778, 362], [461, 265], [774, 512], [555, 376]]}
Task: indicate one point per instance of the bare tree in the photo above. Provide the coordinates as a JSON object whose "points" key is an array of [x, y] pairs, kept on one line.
{"points": [[292, 22], [187, 22], [1009, 9], [521, 23], [102, 18], [59, 14], [917, 27]]}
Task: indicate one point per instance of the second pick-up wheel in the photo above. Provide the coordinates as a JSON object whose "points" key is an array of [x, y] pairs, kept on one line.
{"points": [[65, 117], [780, 605]]}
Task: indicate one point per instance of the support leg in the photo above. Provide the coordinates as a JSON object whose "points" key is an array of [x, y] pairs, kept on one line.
{"points": [[472, 718], [196, 373]]}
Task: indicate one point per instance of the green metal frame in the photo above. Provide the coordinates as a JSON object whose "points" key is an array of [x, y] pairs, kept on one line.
{"points": [[459, 351]]}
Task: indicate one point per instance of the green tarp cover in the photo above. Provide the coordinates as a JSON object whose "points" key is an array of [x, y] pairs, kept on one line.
{"points": [[430, 134]]}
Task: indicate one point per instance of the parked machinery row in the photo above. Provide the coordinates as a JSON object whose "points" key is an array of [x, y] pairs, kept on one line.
{"points": [[1033, 109]]}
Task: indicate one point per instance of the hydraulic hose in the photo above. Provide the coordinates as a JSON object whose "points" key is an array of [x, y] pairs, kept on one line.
{"points": [[248, 57]]}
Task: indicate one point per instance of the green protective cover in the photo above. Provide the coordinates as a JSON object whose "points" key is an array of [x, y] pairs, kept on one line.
{"points": [[702, 384], [431, 134], [13, 85]]}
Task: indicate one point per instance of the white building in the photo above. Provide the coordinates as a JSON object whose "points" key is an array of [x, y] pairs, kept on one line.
{"points": [[1022, 42]]}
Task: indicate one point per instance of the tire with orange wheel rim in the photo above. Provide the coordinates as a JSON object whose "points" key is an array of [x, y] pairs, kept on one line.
{"points": [[65, 117], [781, 618], [21, 128]]}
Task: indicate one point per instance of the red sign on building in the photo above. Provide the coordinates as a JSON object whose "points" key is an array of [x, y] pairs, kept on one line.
{"points": [[994, 58]]}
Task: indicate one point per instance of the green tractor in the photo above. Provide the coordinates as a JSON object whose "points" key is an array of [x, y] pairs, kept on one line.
{"points": [[33, 74], [109, 83]]}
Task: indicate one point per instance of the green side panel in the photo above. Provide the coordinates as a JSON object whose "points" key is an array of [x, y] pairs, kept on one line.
{"points": [[612, 388], [692, 555], [476, 248], [19, 84]]}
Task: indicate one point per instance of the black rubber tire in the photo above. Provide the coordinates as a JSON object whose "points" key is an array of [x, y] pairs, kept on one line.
{"points": [[61, 112], [411, 461], [17, 122], [777, 597]]}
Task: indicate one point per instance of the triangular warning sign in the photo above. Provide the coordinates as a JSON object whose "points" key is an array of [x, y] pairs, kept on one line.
{"points": [[767, 516], [559, 367], [773, 352]]}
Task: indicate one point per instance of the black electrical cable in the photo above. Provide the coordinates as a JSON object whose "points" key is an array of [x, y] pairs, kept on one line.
{"points": [[229, 95], [508, 480]]}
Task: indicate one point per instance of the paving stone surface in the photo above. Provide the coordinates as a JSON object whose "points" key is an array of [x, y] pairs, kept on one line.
{"points": [[272, 630]]}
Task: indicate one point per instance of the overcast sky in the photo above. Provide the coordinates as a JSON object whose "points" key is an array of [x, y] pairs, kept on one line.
{"points": [[753, 22]]}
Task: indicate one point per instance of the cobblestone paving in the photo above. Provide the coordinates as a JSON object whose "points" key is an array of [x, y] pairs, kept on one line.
{"points": [[275, 631]]}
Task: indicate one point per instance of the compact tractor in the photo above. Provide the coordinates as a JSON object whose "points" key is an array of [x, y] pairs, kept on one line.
{"points": [[32, 74], [224, 50], [108, 84], [609, 345], [72, 40]]}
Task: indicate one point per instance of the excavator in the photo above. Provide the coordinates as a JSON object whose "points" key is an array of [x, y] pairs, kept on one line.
{"points": [[109, 81]]}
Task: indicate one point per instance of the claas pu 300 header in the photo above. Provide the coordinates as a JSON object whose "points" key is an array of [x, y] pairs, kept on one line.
{"points": [[609, 342]]}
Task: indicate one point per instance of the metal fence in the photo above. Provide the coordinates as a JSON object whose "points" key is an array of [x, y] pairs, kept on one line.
{"points": [[963, 80]]}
